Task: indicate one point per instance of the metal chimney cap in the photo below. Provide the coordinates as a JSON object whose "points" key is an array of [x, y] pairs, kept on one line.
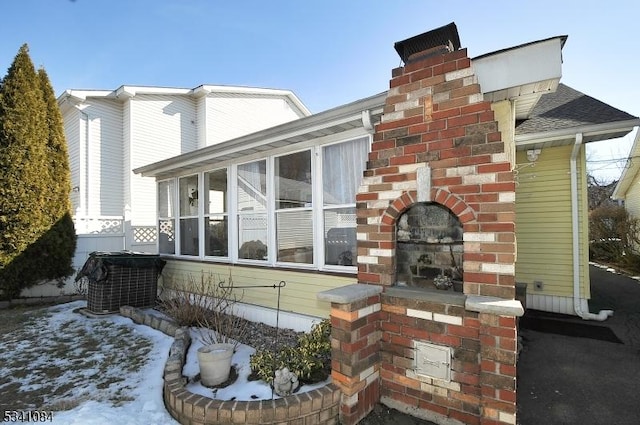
{"points": [[444, 36]]}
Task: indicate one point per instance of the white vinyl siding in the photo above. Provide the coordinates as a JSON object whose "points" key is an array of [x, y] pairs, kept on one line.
{"points": [[161, 127], [201, 122], [113, 135], [233, 115], [104, 152], [71, 120], [126, 154]]}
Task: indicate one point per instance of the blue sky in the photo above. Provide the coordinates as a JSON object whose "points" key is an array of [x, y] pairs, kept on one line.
{"points": [[328, 52]]}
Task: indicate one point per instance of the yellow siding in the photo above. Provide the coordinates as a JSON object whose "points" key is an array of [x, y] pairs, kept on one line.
{"points": [[298, 296], [543, 222]]}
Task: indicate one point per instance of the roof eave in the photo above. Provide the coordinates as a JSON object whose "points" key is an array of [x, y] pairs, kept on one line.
{"points": [[304, 125], [522, 73], [208, 88], [630, 171], [588, 130]]}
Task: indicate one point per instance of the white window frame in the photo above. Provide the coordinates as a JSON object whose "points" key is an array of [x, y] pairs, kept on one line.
{"points": [[317, 211], [312, 154], [226, 214], [238, 214], [173, 217], [319, 217], [199, 216]]}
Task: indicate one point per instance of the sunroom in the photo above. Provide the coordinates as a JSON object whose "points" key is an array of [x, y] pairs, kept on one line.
{"points": [[279, 204]]}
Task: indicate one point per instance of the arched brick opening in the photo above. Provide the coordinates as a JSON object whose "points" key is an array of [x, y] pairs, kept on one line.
{"points": [[440, 196], [401, 205]]}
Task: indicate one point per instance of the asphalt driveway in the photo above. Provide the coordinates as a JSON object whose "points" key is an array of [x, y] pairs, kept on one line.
{"points": [[569, 379]]}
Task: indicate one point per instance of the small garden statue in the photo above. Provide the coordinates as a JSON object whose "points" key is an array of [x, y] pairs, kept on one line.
{"points": [[285, 382]]}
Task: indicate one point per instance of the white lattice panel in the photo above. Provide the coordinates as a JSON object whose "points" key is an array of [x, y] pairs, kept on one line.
{"points": [[144, 234], [99, 225]]}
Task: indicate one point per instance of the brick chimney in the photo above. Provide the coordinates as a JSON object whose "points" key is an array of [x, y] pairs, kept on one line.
{"points": [[437, 156], [438, 143]]}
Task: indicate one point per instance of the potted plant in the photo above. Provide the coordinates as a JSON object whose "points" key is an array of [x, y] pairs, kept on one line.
{"points": [[218, 326], [214, 358], [208, 304]]}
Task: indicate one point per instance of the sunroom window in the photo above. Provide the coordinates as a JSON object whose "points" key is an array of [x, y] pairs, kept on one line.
{"points": [[166, 217], [294, 214], [188, 195], [294, 209], [342, 167], [252, 211], [216, 220]]}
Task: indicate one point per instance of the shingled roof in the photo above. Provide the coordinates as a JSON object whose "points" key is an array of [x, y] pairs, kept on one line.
{"points": [[567, 108]]}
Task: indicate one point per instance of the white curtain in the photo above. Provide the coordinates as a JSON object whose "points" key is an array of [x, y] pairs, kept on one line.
{"points": [[343, 165]]}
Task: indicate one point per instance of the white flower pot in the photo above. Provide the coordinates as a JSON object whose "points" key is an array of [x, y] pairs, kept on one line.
{"points": [[215, 363]]}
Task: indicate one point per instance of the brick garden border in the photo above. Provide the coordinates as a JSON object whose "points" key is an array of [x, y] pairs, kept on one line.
{"points": [[320, 406]]}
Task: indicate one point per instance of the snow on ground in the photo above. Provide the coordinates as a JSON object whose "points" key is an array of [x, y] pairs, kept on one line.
{"points": [[101, 371], [242, 389], [108, 367]]}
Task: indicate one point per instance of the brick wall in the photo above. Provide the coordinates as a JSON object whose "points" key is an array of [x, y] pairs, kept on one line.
{"points": [[407, 319], [355, 355], [435, 117], [438, 142]]}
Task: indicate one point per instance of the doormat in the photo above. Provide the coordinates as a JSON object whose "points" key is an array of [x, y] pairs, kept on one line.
{"points": [[575, 329]]}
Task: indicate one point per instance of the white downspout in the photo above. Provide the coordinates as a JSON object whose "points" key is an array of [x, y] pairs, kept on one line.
{"points": [[577, 306]]}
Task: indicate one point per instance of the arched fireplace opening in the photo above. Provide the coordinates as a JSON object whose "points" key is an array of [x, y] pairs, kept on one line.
{"points": [[429, 248]]}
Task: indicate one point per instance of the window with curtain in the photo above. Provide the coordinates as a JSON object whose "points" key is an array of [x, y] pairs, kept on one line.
{"points": [[343, 165], [188, 204], [276, 191], [216, 214], [294, 215], [252, 211], [166, 217]]}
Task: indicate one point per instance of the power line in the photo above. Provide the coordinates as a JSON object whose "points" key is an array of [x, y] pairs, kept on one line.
{"points": [[613, 159]]}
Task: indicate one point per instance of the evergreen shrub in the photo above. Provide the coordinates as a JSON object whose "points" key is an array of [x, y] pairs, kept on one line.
{"points": [[37, 237]]}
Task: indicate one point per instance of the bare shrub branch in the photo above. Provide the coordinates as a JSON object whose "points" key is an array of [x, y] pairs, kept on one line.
{"points": [[207, 303], [614, 236]]}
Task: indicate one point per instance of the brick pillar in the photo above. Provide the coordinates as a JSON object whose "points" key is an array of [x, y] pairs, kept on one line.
{"points": [[498, 356], [355, 348]]}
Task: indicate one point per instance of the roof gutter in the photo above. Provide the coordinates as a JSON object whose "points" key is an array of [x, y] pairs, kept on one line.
{"points": [[591, 130], [577, 304]]}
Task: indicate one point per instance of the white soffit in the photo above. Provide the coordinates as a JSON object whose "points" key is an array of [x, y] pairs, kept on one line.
{"points": [[522, 73]]}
